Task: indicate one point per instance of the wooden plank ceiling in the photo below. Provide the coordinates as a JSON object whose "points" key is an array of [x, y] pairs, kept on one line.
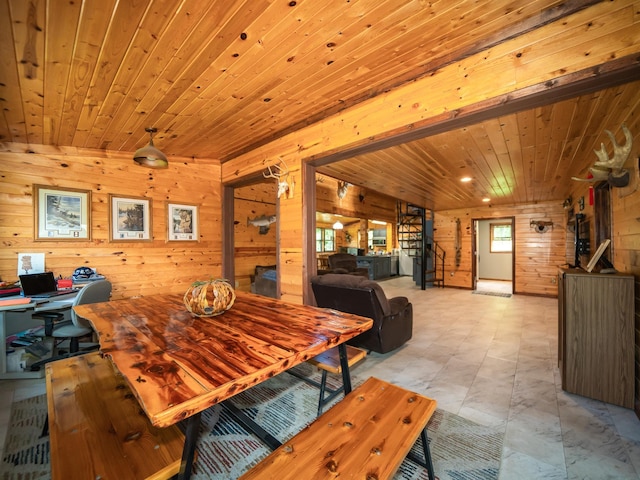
{"points": [[221, 77], [525, 157]]}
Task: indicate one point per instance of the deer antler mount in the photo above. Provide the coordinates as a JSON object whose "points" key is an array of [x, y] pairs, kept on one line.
{"points": [[281, 174], [610, 169], [342, 189]]}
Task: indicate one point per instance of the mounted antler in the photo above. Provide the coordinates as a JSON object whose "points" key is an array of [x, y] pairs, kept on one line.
{"points": [[342, 189], [281, 175], [620, 152], [610, 169]]}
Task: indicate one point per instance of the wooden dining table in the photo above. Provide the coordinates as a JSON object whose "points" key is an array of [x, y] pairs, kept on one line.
{"points": [[178, 364]]}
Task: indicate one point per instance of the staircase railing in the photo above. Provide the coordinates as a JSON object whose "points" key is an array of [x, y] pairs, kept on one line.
{"points": [[428, 255], [434, 259]]}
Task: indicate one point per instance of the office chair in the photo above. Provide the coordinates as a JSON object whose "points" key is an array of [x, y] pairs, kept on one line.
{"points": [[94, 292]]}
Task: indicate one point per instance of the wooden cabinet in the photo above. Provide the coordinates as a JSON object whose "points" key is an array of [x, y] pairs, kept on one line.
{"points": [[596, 335]]}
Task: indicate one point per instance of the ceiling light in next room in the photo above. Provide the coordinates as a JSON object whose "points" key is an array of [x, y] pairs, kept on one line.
{"points": [[486, 200], [338, 225], [466, 179]]}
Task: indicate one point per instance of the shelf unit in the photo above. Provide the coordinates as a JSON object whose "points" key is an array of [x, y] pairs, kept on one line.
{"points": [[14, 320]]}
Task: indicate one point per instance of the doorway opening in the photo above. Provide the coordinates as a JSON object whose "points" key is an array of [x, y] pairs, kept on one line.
{"points": [[493, 269]]}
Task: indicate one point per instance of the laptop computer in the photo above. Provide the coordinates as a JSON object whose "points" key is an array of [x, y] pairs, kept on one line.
{"points": [[41, 285]]}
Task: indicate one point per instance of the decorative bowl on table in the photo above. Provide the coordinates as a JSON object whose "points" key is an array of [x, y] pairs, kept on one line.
{"points": [[209, 298]]}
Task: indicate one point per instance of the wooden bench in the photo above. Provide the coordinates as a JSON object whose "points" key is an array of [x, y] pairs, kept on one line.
{"points": [[329, 362], [97, 428], [366, 436]]}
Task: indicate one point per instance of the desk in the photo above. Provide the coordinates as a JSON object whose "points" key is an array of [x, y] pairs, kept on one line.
{"points": [[13, 319], [45, 306], [17, 318], [178, 365]]}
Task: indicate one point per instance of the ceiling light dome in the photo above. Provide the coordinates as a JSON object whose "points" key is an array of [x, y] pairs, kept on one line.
{"points": [[150, 156]]}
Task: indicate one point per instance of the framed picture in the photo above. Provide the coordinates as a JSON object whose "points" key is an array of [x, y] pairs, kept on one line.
{"points": [[61, 213], [182, 222], [130, 219]]}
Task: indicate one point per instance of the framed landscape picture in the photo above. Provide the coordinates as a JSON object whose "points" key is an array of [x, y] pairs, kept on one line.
{"points": [[61, 213], [130, 219], [182, 222]]}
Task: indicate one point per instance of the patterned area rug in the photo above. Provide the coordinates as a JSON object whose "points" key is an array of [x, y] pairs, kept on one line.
{"points": [[461, 449], [26, 453]]}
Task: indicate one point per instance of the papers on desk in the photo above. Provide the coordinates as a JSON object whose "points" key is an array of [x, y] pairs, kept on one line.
{"points": [[15, 301], [9, 290]]}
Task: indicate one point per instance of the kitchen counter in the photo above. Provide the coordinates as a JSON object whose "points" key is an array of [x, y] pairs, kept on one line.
{"points": [[379, 265]]}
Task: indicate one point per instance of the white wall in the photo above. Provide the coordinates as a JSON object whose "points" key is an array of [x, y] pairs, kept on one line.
{"points": [[491, 266]]}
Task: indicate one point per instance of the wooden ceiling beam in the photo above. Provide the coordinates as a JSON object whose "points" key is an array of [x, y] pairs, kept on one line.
{"points": [[589, 80], [459, 51]]}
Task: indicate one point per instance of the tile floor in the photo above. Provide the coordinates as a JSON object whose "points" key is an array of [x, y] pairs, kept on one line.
{"points": [[492, 360]]}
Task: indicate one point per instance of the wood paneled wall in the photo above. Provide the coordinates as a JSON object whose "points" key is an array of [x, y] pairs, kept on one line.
{"points": [[134, 268], [251, 247], [458, 87], [626, 254], [358, 202], [537, 256], [625, 241]]}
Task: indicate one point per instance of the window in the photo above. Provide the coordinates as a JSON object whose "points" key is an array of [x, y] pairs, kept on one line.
{"points": [[325, 240], [501, 238]]}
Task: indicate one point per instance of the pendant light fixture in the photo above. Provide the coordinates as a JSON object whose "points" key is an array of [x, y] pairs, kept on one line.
{"points": [[150, 156], [338, 225]]}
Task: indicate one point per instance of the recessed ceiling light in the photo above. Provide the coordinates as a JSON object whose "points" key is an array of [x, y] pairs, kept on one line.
{"points": [[465, 179], [486, 200]]}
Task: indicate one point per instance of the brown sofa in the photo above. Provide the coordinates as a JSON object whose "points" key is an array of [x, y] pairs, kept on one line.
{"points": [[392, 318], [346, 263]]}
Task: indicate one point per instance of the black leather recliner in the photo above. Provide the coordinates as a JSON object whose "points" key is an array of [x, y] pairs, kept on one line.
{"points": [[392, 318]]}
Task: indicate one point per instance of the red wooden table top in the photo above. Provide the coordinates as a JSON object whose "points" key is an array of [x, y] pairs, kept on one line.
{"points": [[178, 364]]}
